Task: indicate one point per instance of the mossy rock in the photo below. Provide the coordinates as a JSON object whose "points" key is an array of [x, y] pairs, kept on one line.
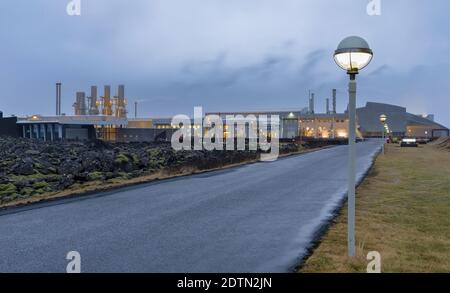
{"points": [[40, 185], [121, 159], [35, 176], [136, 159], [9, 198], [124, 175], [7, 189], [40, 191], [154, 153], [95, 176], [27, 191], [32, 152], [109, 175], [38, 166]]}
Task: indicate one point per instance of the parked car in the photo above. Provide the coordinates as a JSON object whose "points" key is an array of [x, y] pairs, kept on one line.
{"points": [[409, 142], [423, 140]]}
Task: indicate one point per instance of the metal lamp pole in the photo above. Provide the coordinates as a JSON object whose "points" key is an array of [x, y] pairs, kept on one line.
{"points": [[383, 119], [352, 55], [351, 163]]}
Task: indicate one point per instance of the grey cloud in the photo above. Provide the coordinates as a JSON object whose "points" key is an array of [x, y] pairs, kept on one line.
{"points": [[225, 55]]}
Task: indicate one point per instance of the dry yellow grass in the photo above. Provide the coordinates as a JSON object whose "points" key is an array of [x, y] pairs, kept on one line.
{"points": [[403, 212]]}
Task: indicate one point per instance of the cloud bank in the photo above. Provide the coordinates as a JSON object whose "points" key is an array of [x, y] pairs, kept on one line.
{"points": [[223, 55]]}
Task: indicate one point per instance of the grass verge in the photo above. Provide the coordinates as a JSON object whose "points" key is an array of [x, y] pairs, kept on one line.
{"points": [[402, 211]]}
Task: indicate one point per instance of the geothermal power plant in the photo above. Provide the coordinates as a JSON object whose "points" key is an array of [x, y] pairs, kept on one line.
{"points": [[93, 105]]}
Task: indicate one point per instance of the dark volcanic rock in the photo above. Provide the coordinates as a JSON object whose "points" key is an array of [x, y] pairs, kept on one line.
{"points": [[29, 167], [24, 167]]}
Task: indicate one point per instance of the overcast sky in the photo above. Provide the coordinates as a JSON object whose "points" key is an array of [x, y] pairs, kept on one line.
{"points": [[224, 55]]}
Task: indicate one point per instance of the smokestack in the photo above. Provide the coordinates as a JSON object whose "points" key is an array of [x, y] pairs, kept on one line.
{"points": [[93, 108], [121, 92], [135, 109], [107, 105], [328, 106], [334, 101], [311, 104], [58, 99], [80, 104], [120, 103]]}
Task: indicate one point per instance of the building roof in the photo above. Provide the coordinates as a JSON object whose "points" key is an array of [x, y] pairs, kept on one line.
{"points": [[284, 114], [398, 118], [419, 120], [100, 120]]}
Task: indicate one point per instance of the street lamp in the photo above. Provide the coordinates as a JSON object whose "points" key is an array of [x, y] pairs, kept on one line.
{"points": [[383, 119], [353, 54]]}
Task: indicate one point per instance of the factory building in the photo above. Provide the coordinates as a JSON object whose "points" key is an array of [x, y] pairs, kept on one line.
{"points": [[146, 130], [298, 124], [105, 117], [8, 126], [400, 122], [69, 127], [105, 105]]}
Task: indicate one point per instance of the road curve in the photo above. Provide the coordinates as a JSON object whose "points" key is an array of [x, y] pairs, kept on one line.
{"points": [[255, 218]]}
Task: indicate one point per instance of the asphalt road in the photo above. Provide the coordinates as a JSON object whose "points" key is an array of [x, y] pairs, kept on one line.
{"points": [[256, 218]]}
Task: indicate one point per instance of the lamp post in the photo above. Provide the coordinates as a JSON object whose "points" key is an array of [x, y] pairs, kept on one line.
{"points": [[383, 119], [353, 54]]}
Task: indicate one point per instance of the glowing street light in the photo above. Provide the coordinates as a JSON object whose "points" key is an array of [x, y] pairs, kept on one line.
{"points": [[383, 119], [352, 54]]}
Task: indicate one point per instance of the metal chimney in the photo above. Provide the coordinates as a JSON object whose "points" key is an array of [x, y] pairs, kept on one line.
{"points": [[334, 101], [93, 107], [135, 109], [120, 103], [80, 104], [311, 105], [107, 104], [58, 99], [121, 91], [328, 106]]}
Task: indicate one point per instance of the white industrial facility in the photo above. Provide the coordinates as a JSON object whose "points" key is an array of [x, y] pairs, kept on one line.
{"points": [[105, 117]]}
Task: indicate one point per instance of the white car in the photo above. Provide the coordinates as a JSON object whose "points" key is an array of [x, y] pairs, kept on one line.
{"points": [[409, 142]]}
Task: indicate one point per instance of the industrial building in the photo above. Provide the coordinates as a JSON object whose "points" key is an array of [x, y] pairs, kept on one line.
{"points": [[106, 105], [8, 126], [297, 124], [85, 124], [400, 122], [69, 127], [105, 117], [303, 124]]}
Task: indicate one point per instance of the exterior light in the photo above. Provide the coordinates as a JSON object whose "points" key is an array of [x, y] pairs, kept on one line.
{"points": [[383, 119], [353, 54]]}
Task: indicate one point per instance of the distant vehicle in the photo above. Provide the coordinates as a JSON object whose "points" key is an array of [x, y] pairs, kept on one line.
{"points": [[423, 140], [409, 142]]}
